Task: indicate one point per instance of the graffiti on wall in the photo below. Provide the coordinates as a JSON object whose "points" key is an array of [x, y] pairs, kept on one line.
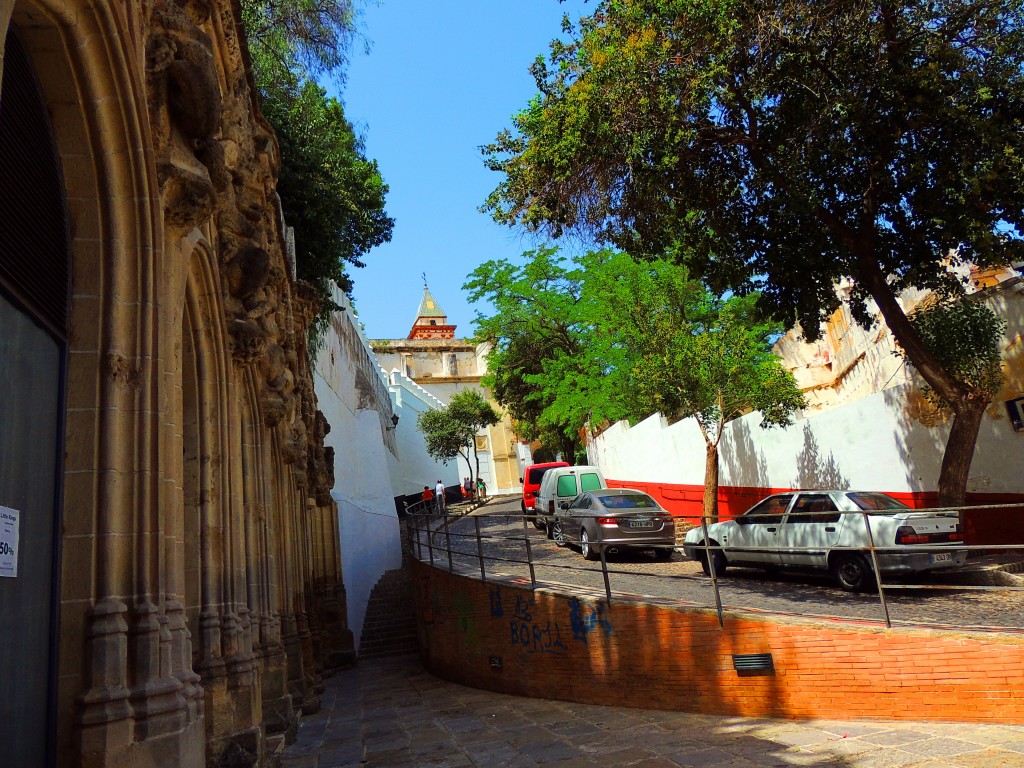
{"points": [[466, 621], [533, 636], [585, 618]]}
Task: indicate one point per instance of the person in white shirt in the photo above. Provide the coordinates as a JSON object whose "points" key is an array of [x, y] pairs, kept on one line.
{"points": [[439, 496]]}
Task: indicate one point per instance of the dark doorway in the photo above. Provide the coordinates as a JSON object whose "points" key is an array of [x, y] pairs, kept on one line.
{"points": [[34, 279]]}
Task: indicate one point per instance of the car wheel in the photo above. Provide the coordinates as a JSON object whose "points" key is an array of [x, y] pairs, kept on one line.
{"points": [[663, 553], [586, 549], [537, 523], [522, 506], [558, 534], [719, 561], [852, 572]]}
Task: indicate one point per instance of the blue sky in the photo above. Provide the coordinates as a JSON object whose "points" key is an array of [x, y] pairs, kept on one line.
{"points": [[441, 79]]}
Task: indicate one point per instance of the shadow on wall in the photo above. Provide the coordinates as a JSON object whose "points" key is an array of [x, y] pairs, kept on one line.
{"points": [[814, 470], [920, 438], [746, 464]]}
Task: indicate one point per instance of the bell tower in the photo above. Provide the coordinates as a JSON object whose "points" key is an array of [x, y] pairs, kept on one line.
{"points": [[431, 321]]}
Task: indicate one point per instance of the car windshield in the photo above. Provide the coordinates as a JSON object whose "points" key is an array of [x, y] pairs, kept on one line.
{"points": [[628, 501], [875, 502]]}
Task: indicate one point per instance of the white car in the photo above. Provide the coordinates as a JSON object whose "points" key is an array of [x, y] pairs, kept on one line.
{"points": [[829, 530]]}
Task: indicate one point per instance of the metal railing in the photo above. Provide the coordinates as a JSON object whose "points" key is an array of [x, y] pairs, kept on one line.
{"points": [[475, 543]]}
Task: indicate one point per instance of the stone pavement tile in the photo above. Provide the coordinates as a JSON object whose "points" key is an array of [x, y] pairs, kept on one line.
{"points": [[549, 750], [705, 758], [649, 762], [895, 737], [435, 749], [837, 745], [575, 731], [796, 737], [849, 730], [340, 758], [382, 756], [883, 757], [461, 723], [940, 747], [299, 761], [991, 757], [626, 755]]}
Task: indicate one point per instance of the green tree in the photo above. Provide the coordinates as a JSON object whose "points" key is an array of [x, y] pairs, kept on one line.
{"points": [[300, 37], [467, 406], [691, 353], [964, 335], [788, 146], [536, 336], [451, 431], [638, 338], [331, 193]]}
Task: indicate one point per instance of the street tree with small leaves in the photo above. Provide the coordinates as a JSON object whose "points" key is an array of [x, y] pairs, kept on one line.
{"points": [[451, 431]]}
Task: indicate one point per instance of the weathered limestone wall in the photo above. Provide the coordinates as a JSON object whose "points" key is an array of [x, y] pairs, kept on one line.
{"points": [[201, 595]]}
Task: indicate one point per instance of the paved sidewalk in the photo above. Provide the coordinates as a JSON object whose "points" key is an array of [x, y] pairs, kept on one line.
{"points": [[391, 713]]}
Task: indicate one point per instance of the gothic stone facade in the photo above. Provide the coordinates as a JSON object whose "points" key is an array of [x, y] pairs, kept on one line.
{"points": [[196, 599]]}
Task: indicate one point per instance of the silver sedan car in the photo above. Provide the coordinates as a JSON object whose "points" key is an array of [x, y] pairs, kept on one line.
{"points": [[613, 520]]}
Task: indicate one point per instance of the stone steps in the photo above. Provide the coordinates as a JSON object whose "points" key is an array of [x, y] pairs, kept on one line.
{"points": [[389, 628]]}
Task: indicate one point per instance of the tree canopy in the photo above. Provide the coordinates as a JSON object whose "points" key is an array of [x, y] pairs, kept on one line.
{"points": [[785, 147], [451, 431], [331, 193], [608, 336]]}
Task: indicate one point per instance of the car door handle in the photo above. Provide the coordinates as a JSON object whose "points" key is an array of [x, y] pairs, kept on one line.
{"points": [[772, 530], [830, 528]]}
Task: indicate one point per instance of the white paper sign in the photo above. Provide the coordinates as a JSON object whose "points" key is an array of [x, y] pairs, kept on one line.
{"points": [[9, 519]]}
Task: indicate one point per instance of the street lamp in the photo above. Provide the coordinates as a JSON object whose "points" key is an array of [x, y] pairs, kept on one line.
{"points": [[394, 422]]}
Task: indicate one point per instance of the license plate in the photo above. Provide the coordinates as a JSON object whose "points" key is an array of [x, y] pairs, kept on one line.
{"points": [[941, 557], [640, 524]]}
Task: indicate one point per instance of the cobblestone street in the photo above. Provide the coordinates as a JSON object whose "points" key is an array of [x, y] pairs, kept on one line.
{"points": [[390, 713], [927, 603]]}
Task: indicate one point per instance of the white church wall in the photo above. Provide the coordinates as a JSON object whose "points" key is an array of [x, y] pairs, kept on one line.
{"points": [[352, 395], [412, 467]]}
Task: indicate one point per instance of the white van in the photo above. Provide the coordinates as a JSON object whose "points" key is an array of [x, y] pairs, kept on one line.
{"points": [[563, 484]]}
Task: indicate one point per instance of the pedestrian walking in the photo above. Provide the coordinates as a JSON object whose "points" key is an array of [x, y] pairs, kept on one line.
{"points": [[439, 493]]}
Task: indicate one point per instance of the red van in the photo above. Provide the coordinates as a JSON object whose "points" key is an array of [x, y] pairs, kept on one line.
{"points": [[531, 485]]}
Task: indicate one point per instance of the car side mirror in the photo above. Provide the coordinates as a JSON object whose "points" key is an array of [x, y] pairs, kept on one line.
{"points": [[564, 504]]}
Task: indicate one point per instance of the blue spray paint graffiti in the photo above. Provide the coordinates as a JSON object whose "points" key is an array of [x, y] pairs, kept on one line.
{"points": [[524, 632], [585, 618], [496, 609]]}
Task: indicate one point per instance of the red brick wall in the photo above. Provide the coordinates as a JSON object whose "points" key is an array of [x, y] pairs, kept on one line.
{"points": [[1003, 526], [644, 655]]}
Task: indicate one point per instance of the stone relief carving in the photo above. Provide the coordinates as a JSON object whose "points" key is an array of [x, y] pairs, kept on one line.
{"points": [[217, 163], [184, 106]]}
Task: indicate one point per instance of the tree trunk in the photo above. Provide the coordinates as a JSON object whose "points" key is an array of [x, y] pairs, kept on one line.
{"points": [[956, 460], [967, 403], [711, 482], [476, 459]]}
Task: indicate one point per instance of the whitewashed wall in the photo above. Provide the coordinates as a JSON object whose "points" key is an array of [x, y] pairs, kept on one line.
{"points": [[412, 467], [353, 395], [880, 442], [871, 444]]}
